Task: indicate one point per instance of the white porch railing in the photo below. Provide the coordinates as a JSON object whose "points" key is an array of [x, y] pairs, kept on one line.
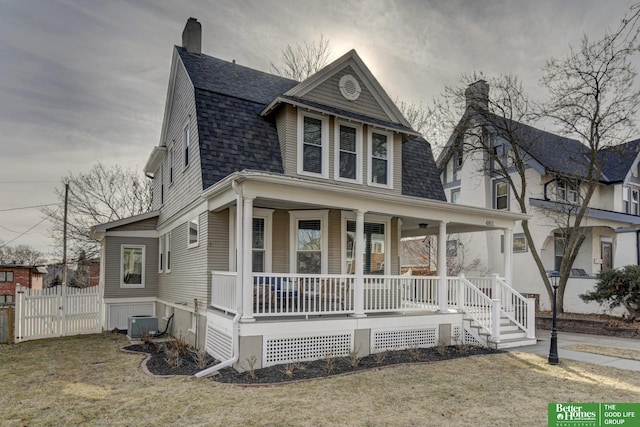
{"points": [[286, 294]]}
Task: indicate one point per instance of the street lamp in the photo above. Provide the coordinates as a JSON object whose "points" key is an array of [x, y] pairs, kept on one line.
{"points": [[553, 350]]}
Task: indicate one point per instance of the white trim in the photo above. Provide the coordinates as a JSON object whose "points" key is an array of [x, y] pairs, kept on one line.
{"points": [[195, 221], [295, 216], [389, 159], [129, 300], [184, 215], [174, 305], [336, 151], [144, 266], [324, 139]]}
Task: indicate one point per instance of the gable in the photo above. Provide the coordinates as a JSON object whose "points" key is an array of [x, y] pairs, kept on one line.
{"points": [[328, 93]]}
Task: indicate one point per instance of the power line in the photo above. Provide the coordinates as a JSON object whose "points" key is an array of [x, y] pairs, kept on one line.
{"points": [[9, 230], [23, 233], [27, 207]]}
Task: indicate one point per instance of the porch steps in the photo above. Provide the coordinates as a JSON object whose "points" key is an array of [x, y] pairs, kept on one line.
{"points": [[510, 334]]}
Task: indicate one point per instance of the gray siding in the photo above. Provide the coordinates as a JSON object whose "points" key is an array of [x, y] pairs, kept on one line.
{"points": [[280, 242], [187, 183], [218, 241], [285, 124], [112, 267], [188, 279], [328, 93]]}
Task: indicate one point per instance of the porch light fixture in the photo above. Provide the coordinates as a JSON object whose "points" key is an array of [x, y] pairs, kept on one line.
{"points": [[553, 350], [423, 225]]}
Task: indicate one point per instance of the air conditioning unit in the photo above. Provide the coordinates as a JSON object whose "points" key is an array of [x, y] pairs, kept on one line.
{"points": [[140, 326]]}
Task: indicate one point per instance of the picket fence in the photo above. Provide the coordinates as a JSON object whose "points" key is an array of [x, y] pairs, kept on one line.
{"points": [[58, 311]]}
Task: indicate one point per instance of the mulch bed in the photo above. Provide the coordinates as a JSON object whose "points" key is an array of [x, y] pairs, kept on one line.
{"points": [[157, 364]]}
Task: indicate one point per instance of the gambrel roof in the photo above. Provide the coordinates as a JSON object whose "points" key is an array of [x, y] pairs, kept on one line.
{"points": [[237, 132]]}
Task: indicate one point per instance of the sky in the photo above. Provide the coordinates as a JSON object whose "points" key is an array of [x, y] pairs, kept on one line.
{"points": [[83, 81]]}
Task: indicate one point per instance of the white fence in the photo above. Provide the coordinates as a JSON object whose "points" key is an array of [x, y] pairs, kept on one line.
{"points": [[58, 311]]}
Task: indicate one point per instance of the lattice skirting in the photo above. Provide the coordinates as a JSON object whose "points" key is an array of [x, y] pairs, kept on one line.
{"points": [[219, 344], [278, 350], [470, 339], [383, 340]]}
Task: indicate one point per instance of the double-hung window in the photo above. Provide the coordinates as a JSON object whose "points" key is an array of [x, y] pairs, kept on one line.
{"points": [[132, 269], [6, 276], [501, 195], [162, 183], [258, 246], [309, 241], [348, 143], [566, 192], [313, 147], [631, 199], [380, 158], [185, 145]]}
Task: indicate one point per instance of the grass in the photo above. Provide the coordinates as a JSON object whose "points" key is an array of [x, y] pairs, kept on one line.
{"points": [[85, 380]]}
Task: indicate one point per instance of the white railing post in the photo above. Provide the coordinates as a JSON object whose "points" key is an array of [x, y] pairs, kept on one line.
{"points": [[461, 287], [358, 296], [442, 268], [495, 320], [495, 289], [531, 318]]}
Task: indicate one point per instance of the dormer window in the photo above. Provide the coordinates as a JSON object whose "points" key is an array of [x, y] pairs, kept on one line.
{"points": [[566, 192], [380, 158], [313, 146], [348, 145]]}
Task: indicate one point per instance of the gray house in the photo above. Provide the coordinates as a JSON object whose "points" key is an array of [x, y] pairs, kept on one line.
{"points": [[279, 209]]}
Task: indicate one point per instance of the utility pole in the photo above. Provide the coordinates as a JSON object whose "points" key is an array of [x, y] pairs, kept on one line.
{"points": [[64, 235]]}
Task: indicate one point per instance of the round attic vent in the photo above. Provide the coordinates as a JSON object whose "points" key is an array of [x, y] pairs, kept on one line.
{"points": [[349, 87]]}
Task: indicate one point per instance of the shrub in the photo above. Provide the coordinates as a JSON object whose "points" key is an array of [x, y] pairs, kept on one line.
{"points": [[619, 287]]}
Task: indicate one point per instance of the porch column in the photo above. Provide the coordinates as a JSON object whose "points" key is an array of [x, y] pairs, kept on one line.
{"points": [[442, 267], [508, 250], [358, 294], [246, 255]]}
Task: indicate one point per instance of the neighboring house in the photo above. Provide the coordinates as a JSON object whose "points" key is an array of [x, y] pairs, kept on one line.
{"points": [[263, 187], [555, 167], [30, 276]]}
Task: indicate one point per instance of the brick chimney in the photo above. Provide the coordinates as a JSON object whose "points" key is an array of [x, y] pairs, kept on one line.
{"points": [[192, 36], [477, 95]]}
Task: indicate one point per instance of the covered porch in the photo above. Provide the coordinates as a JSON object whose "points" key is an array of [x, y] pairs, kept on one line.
{"points": [[329, 255]]}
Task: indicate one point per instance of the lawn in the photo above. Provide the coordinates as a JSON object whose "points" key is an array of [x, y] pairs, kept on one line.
{"points": [[85, 380]]}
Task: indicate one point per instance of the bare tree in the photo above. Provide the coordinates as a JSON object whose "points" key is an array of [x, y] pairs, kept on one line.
{"points": [[98, 196], [300, 61], [20, 254], [593, 97]]}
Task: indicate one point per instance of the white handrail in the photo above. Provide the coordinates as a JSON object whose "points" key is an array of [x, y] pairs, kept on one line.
{"points": [[515, 306], [482, 309]]}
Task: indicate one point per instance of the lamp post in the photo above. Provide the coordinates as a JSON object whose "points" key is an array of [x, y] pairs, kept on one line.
{"points": [[553, 350]]}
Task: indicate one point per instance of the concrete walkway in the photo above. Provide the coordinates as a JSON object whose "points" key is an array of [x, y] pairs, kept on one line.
{"points": [[567, 339]]}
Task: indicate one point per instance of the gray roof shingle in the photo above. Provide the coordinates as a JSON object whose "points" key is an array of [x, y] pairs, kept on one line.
{"points": [[235, 137]]}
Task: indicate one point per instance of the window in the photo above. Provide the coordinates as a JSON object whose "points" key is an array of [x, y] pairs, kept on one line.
{"points": [[133, 265], [309, 238], [455, 196], [258, 246], [185, 145], [168, 251], [313, 152], [171, 165], [161, 255], [6, 276], [566, 192], [501, 195], [458, 156], [194, 232], [348, 142], [498, 157], [162, 184], [519, 243], [452, 248], [634, 202], [625, 199], [380, 158], [558, 251], [374, 244]]}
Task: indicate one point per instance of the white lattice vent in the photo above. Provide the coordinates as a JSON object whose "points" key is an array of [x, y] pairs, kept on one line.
{"points": [[456, 335], [401, 339], [218, 344], [470, 339], [293, 349]]}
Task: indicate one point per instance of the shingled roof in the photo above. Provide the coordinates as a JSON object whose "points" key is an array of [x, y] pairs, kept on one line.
{"points": [[618, 160], [235, 137]]}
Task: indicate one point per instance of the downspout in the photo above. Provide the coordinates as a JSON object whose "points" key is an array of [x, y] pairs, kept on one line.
{"points": [[235, 353], [638, 247]]}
